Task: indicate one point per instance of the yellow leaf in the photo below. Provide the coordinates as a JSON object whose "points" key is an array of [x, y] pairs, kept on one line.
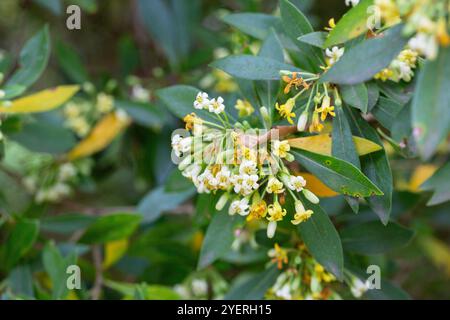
{"points": [[42, 101], [100, 137], [114, 250], [420, 175], [437, 251], [316, 186], [321, 144]]}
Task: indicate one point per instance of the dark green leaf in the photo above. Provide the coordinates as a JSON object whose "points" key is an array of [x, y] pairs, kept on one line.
{"points": [[257, 25], [176, 182], [375, 165], [111, 227], [322, 240], [66, 223], [385, 111], [431, 104], [218, 238], [356, 96], [71, 63], [255, 287], [33, 60], [375, 238], [339, 175], [364, 60], [20, 241], [142, 113], [252, 67]]}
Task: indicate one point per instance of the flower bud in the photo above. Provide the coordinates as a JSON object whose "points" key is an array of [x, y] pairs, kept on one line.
{"points": [[302, 121], [310, 196], [222, 202], [185, 163], [2, 94], [289, 157], [265, 114], [299, 206], [271, 228]]}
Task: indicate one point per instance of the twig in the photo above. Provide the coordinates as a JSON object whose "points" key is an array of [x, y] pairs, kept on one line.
{"points": [[97, 259]]}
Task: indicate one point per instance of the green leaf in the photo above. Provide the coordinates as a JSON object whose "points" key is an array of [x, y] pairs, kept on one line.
{"points": [[356, 96], [176, 182], [45, 137], [159, 200], [385, 111], [252, 67], [257, 25], [344, 148], [56, 265], [144, 114], [111, 227], [361, 62], [71, 63], [439, 183], [315, 39], [322, 240], [20, 281], [339, 175], [180, 99], [373, 93], [431, 104], [218, 238], [375, 238], [150, 292], [33, 60], [255, 287], [54, 6], [20, 241], [66, 223], [351, 25], [295, 25], [375, 165]]}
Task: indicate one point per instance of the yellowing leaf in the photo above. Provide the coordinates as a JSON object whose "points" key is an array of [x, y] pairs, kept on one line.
{"points": [[100, 137], [420, 175], [437, 251], [317, 187], [114, 250], [42, 101], [321, 144]]}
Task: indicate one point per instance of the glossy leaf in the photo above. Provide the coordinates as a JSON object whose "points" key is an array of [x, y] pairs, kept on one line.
{"points": [[339, 175], [316, 39], [430, 116], [351, 25], [356, 96], [364, 60], [252, 67], [385, 111]]}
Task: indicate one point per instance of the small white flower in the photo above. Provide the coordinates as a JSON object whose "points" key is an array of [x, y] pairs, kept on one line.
{"points": [[334, 54], [248, 167], [240, 207], [284, 292], [274, 186], [67, 171], [223, 177], [250, 181], [424, 44], [192, 171], [201, 101], [140, 94], [296, 183], [216, 105], [358, 288], [199, 287], [351, 2]]}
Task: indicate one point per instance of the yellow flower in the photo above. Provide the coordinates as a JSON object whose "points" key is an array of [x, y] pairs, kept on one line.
{"points": [[300, 217], [326, 109], [244, 107], [295, 81], [280, 148], [285, 110], [224, 82], [258, 210], [274, 186], [276, 212], [442, 34], [191, 119], [384, 74], [105, 103], [331, 25], [316, 125], [278, 255], [322, 274]]}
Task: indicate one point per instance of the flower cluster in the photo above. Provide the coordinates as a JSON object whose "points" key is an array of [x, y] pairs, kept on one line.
{"points": [[51, 182], [402, 68], [81, 114], [303, 278], [249, 170], [426, 21]]}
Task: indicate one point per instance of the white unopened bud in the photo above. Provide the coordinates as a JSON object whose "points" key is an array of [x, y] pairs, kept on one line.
{"points": [[271, 228], [2, 94], [289, 157], [222, 202], [302, 121], [310, 196], [265, 114], [299, 206], [185, 163]]}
